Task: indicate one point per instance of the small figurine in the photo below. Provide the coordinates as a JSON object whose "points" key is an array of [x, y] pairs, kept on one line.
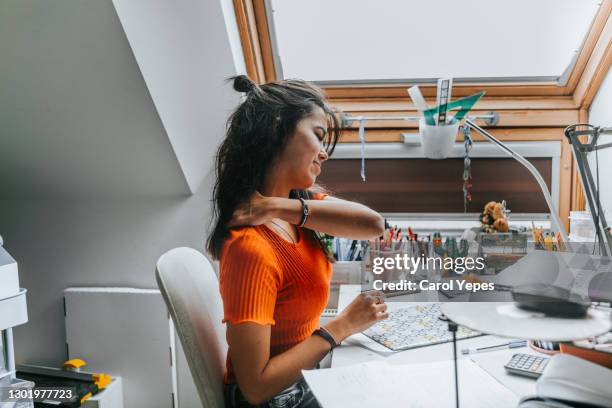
{"points": [[493, 218]]}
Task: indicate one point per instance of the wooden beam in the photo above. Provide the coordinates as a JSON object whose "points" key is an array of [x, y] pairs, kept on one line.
{"points": [[249, 38], [399, 91], [503, 134], [596, 69], [486, 103], [565, 182], [507, 118], [593, 37], [578, 200], [263, 32]]}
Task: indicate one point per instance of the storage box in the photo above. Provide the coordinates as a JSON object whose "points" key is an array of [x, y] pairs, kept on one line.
{"points": [[582, 228], [126, 332], [110, 397], [500, 250], [502, 243]]}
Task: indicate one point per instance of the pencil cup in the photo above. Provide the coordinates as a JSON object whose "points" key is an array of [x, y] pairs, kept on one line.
{"points": [[375, 259], [437, 141]]}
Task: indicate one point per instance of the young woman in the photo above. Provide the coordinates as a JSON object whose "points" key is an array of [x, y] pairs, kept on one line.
{"points": [[274, 272]]}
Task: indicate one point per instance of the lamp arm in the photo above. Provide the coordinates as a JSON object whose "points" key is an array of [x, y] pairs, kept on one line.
{"points": [[534, 172]]}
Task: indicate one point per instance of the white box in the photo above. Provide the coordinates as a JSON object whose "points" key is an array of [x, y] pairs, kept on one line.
{"points": [[110, 397], [582, 228], [127, 332], [9, 278]]}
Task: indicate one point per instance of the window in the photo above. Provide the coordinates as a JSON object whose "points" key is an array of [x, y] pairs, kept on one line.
{"points": [[388, 41]]}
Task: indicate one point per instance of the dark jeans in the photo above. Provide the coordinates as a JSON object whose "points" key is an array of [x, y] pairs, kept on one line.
{"points": [[298, 395]]}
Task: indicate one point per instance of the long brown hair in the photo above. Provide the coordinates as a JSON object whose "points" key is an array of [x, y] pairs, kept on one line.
{"points": [[256, 132]]}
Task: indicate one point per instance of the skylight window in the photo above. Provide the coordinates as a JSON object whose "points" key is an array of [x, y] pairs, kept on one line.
{"points": [[349, 41]]}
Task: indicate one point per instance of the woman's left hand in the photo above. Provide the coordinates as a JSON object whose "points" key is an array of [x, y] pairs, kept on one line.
{"points": [[256, 211]]}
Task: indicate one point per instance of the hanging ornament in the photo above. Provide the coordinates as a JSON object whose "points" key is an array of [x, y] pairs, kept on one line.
{"points": [[362, 141], [467, 168]]}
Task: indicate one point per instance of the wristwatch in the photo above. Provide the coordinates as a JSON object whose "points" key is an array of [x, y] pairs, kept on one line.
{"points": [[305, 212]]}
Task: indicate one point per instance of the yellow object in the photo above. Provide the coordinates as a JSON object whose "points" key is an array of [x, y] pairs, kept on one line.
{"points": [[560, 244], [470, 277], [101, 380], [548, 243], [74, 365], [86, 397]]}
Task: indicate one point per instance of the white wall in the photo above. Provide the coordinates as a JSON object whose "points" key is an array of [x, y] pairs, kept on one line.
{"points": [[76, 118], [93, 188], [112, 242], [182, 49], [600, 114]]}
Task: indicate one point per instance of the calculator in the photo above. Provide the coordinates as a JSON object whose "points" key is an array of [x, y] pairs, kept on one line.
{"points": [[527, 365]]}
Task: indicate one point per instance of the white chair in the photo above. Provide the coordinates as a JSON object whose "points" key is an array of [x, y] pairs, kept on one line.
{"points": [[190, 288]]}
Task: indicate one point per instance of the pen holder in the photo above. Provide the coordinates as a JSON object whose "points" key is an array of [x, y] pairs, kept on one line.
{"points": [[437, 141], [388, 274]]}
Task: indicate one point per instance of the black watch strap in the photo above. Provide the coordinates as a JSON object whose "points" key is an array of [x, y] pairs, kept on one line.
{"points": [[305, 212]]}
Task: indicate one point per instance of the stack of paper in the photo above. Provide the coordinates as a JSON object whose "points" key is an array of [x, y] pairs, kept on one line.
{"points": [[378, 384]]}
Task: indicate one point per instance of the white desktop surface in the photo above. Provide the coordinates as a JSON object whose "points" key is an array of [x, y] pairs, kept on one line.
{"points": [[492, 362]]}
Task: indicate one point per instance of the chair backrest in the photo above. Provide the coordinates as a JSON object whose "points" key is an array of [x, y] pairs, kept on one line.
{"points": [[190, 288]]}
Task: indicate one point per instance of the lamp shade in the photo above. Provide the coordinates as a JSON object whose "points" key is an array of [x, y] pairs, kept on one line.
{"points": [[506, 320]]}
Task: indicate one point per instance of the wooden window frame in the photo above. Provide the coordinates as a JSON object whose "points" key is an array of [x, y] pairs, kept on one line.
{"points": [[528, 111]]}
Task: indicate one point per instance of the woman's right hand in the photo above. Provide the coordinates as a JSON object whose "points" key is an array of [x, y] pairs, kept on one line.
{"points": [[365, 310], [255, 211]]}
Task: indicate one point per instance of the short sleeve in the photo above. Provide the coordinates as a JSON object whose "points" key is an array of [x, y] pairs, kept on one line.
{"points": [[249, 282]]}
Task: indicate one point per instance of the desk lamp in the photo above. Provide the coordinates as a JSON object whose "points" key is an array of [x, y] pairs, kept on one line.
{"points": [[534, 172]]}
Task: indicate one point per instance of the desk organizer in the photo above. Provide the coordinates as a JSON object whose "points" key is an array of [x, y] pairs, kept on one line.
{"points": [[437, 141], [501, 249]]}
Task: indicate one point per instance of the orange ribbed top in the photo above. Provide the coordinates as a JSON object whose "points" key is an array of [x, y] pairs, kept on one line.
{"points": [[268, 280]]}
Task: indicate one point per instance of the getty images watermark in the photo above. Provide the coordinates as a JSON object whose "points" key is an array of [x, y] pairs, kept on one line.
{"points": [[387, 267]]}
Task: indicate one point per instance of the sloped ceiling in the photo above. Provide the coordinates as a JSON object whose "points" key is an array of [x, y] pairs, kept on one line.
{"points": [[184, 54], [80, 116]]}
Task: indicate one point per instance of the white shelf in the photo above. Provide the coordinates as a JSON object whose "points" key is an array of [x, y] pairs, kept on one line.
{"points": [[13, 310], [9, 278]]}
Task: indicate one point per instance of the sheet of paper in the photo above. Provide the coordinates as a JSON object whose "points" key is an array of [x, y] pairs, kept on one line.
{"points": [[493, 363], [380, 385]]}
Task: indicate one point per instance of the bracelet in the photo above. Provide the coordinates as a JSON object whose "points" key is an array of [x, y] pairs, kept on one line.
{"points": [[322, 332], [305, 212]]}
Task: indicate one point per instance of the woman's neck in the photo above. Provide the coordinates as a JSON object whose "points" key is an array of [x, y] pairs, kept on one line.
{"points": [[274, 187]]}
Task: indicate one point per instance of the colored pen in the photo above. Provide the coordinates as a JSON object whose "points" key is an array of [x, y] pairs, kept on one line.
{"points": [[512, 344]]}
